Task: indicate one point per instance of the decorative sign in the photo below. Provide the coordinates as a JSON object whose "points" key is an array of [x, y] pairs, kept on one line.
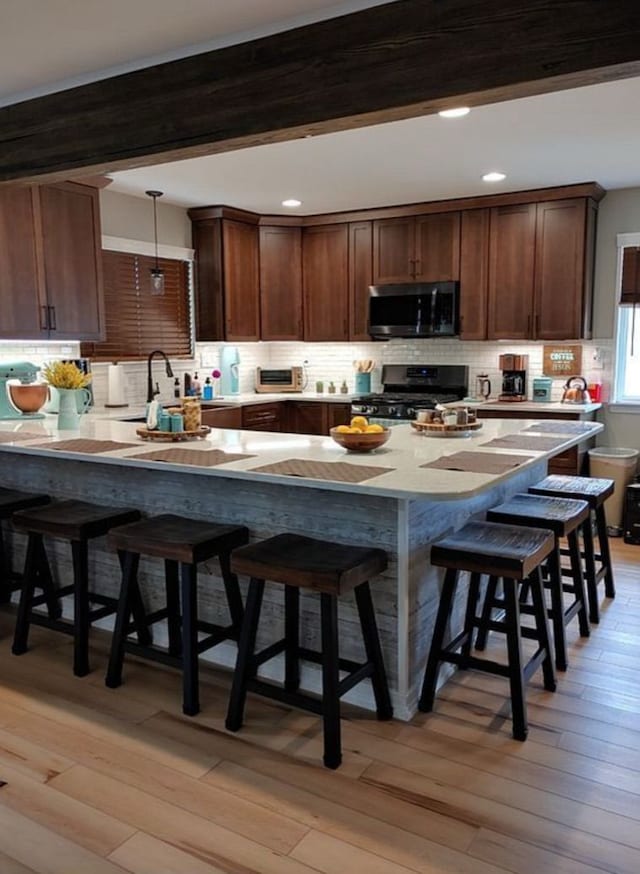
{"points": [[562, 361]]}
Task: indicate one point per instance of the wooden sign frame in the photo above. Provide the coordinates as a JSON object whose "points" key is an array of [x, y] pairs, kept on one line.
{"points": [[562, 361]]}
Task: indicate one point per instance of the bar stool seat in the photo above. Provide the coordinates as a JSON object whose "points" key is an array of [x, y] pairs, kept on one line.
{"points": [[332, 569], [78, 522], [183, 544], [563, 516], [597, 565], [515, 554], [11, 501]]}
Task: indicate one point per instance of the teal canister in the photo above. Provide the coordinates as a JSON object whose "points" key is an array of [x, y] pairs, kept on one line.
{"points": [[363, 383], [542, 389]]}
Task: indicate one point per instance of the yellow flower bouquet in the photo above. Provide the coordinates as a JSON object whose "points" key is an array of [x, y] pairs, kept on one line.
{"points": [[63, 374]]}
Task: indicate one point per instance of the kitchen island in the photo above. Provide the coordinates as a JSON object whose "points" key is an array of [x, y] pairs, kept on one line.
{"points": [[285, 482]]}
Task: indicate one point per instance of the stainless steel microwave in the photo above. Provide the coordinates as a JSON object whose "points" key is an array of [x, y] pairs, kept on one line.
{"points": [[280, 379], [414, 309]]}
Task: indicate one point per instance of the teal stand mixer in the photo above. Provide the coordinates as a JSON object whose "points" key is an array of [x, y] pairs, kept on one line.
{"points": [[26, 373]]}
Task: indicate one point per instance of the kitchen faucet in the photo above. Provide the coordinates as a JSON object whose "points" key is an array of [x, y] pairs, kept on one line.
{"points": [[151, 392]]}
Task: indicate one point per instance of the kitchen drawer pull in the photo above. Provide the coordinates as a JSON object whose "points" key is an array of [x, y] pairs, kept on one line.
{"points": [[52, 318], [44, 318]]}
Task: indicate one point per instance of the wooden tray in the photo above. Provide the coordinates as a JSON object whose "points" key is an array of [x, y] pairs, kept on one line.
{"points": [[173, 436], [436, 429]]}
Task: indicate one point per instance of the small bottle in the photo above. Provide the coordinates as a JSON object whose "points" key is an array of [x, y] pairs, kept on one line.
{"points": [[176, 387], [207, 391], [188, 391], [331, 388], [319, 387], [196, 388], [344, 388]]}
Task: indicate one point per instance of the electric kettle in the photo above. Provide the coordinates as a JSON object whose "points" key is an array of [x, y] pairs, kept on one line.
{"points": [[575, 391]]}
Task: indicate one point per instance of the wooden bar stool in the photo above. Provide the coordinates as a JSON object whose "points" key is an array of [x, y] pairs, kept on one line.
{"points": [[563, 516], [597, 565], [183, 544], [77, 522], [515, 555], [331, 569], [10, 502]]}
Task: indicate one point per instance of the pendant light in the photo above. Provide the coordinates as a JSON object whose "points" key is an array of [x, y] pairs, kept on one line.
{"points": [[157, 273]]}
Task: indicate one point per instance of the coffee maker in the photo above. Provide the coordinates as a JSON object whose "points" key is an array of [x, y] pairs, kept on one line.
{"points": [[514, 377]]}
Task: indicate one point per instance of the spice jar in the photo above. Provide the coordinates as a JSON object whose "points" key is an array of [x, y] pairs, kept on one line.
{"points": [[192, 414]]}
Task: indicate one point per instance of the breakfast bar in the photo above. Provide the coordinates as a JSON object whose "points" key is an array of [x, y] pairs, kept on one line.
{"points": [[402, 497]]}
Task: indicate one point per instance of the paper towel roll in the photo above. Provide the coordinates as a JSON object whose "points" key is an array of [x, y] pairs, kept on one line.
{"points": [[115, 387]]}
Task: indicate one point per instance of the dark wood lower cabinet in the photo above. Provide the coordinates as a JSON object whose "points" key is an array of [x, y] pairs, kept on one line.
{"points": [[316, 417], [230, 417], [263, 417]]}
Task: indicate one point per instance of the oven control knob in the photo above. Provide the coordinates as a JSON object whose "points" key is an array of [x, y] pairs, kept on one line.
{"points": [[411, 413], [392, 411]]}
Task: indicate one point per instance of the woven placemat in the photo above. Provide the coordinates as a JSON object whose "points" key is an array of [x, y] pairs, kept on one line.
{"points": [[194, 457], [549, 427], [85, 445], [478, 462], [338, 471], [18, 436], [522, 441]]}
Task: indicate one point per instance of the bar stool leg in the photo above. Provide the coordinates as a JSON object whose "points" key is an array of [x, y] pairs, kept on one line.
{"points": [[485, 617], [172, 589], [514, 649], [603, 540], [232, 589], [80, 555], [578, 583], [44, 580], [129, 562], [371, 639], [557, 609], [428, 693], [5, 570], [136, 607], [190, 685], [292, 638], [544, 638], [330, 681], [246, 648], [590, 571], [23, 621], [469, 619]]}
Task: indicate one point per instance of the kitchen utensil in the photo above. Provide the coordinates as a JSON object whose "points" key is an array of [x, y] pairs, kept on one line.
{"points": [[575, 391], [28, 398], [24, 372], [483, 386], [362, 442]]}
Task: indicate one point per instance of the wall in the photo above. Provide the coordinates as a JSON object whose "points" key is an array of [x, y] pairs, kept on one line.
{"points": [[132, 218]]}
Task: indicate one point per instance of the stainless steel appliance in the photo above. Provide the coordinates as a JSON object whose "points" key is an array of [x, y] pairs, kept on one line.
{"points": [[514, 377], [26, 373], [280, 379], [408, 388], [575, 391], [414, 309]]}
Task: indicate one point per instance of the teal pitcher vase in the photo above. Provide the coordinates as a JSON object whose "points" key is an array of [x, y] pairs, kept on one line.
{"points": [[73, 402]]}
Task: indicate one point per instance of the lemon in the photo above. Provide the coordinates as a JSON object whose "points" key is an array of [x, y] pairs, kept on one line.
{"points": [[343, 429], [374, 429], [359, 422]]}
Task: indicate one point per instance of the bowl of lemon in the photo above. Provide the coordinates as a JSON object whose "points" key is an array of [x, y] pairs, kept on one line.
{"points": [[360, 436]]}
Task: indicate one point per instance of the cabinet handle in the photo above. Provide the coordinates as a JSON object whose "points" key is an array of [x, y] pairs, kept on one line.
{"points": [[417, 270], [528, 326], [44, 318], [537, 326], [52, 318]]}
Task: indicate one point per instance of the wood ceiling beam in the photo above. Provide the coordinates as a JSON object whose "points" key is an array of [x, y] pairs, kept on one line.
{"points": [[399, 60]]}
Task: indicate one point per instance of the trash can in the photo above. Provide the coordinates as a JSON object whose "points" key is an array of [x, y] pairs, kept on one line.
{"points": [[620, 465]]}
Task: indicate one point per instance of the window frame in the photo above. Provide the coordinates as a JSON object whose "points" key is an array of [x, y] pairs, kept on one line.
{"points": [[624, 322]]}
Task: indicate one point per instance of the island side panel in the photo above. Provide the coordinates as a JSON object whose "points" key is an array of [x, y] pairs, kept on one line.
{"points": [[266, 509]]}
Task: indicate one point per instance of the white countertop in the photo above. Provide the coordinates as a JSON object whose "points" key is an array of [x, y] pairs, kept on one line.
{"points": [[404, 453], [537, 407]]}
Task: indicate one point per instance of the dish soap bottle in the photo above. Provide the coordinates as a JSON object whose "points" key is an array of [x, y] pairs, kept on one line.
{"points": [[196, 388], [207, 391]]}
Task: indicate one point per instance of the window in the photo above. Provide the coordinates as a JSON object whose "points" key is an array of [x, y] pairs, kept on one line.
{"points": [[627, 376], [138, 322]]}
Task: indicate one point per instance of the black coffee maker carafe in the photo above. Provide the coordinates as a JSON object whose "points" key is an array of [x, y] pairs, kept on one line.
{"points": [[514, 377]]}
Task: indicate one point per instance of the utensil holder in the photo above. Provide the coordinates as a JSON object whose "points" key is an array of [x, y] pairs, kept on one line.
{"points": [[363, 383]]}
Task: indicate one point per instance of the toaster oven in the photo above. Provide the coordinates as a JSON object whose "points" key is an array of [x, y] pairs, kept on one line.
{"points": [[279, 379]]}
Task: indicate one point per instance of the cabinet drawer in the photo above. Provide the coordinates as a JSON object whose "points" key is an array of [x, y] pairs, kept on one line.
{"points": [[264, 417], [222, 418]]}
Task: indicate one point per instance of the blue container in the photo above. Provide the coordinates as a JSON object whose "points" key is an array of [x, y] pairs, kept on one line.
{"points": [[164, 421], [177, 422], [363, 383], [542, 389]]}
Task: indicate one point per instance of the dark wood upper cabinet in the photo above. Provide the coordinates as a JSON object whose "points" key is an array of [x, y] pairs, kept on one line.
{"points": [[360, 278], [227, 301], [394, 250], [22, 297], [281, 283], [474, 273], [437, 247], [325, 280], [511, 263], [72, 245]]}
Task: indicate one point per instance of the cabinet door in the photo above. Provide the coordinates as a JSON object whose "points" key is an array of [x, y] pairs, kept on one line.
{"points": [[511, 262], [360, 278], [474, 274], [209, 290], [72, 247], [23, 306], [222, 418], [241, 280], [325, 279], [307, 417], [394, 250], [262, 417], [281, 283], [437, 256], [337, 414], [560, 269]]}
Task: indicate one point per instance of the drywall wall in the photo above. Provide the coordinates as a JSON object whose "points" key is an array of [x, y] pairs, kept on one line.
{"points": [[132, 218]]}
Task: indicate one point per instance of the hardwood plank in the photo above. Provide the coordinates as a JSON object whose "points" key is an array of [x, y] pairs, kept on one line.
{"points": [[395, 60], [144, 854], [35, 762], [329, 855], [524, 858], [188, 832], [11, 866]]}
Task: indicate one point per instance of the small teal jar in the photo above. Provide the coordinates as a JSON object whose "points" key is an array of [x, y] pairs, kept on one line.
{"points": [[164, 421], [177, 422], [363, 383]]}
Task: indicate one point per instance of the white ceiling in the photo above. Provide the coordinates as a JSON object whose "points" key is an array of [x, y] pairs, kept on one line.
{"points": [[573, 136]]}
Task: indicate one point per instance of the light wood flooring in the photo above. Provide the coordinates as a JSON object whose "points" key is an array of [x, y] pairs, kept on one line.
{"points": [[97, 781]]}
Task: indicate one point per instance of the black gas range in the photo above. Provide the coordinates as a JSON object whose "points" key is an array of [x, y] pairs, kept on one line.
{"points": [[408, 388]]}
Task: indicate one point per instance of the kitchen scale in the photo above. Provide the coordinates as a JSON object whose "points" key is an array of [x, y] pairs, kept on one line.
{"points": [[26, 373]]}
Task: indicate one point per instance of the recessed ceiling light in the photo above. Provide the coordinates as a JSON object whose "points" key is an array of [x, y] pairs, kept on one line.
{"points": [[494, 176], [292, 203], [458, 112]]}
